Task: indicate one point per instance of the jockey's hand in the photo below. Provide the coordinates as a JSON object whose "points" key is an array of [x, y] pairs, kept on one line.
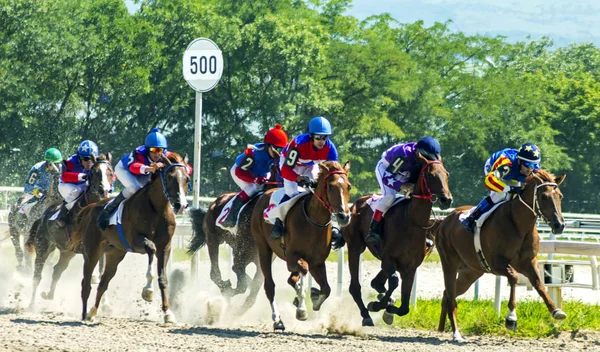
{"points": [[304, 181], [153, 167], [82, 176], [260, 180], [408, 187], [36, 192], [515, 190]]}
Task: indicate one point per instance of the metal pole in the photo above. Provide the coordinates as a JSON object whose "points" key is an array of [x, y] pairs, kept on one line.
{"points": [[340, 278], [196, 178], [497, 295], [476, 296], [413, 294]]}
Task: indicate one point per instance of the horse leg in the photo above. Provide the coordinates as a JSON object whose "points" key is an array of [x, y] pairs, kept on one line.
{"points": [[43, 251], [113, 258], [254, 288], [162, 257], [450, 262], [296, 280], [513, 277], [215, 273], [16, 241], [408, 278], [355, 288], [59, 268], [150, 248], [96, 279], [532, 272], [319, 274], [241, 260], [389, 268], [91, 255], [378, 282], [265, 255]]}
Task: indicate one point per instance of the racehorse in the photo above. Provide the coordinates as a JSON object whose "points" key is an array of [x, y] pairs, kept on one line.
{"points": [[307, 240], [147, 226], [406, 225], [509, 243], [206, 232], [20, 224], [45, 235]]}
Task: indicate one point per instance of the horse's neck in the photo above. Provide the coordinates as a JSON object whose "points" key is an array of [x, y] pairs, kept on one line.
{"points": [[316, 210], [419, 209], [523, 218], [156, 193]]}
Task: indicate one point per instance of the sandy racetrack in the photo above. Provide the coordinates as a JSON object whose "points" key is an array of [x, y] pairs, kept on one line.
{"points": [[206, 321]]}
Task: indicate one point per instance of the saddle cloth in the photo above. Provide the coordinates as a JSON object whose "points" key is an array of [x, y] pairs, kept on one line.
{"points": [[225, 212], [117, 215], [276, 210], [375, 198]]}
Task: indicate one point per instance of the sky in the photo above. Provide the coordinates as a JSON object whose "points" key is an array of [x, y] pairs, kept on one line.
{"points": [[565, 21]]}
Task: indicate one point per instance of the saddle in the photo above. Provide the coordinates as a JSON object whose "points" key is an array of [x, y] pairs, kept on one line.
{"points": [[227, 208]]}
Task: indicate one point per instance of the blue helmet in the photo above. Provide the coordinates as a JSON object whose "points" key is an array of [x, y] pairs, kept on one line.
{"points": [[429, 147], [531, 153], [87, 148], [319, 125], [155, 139]]}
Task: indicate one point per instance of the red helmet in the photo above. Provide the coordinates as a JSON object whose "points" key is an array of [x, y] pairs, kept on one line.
{"points": [[276, 136]]}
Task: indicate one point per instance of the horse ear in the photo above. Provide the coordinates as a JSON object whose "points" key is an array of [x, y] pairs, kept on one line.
{"points": [[166, 160], [560, 179], [347, 166], [94, 159], [109, 157], [323, 167], [185, 159]]}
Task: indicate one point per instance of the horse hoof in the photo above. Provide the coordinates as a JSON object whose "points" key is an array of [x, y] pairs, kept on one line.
{"points": [[92, 313], [511, 324], [301, 314], [314, 293], [95, 280], [367, 322], [47, 296], [388, 318], [372, 308], [169, 317], [558, 314], [278, 325], [147, 294]]}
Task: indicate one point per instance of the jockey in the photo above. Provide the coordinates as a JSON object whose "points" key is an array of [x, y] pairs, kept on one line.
{"points": [[73, 180], [251, 169], [505, 166], [134, 171], [39, 178], [398, 170], [299, 161]]}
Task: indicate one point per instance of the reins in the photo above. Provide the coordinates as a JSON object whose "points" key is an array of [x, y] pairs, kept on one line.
{"points": [[536, 208], [163, 180], [323, 201]]}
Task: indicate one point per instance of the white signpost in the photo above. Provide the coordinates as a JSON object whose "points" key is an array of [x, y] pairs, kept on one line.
{"points": [[202, 69]]}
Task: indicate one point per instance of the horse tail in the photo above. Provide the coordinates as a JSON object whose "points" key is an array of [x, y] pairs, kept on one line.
{"points": [[431, 233], [77, 236], [198, 236], [30, 243]]}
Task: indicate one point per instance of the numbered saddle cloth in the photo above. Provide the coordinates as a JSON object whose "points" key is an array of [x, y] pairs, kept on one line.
{"points": [[276, 210], [225, 212], [375, 198]]}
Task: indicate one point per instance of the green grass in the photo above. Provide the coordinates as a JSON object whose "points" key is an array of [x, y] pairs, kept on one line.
{"points": [[479, 318]]}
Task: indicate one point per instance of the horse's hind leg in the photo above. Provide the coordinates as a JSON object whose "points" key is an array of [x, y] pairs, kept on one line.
{"points": [[241, 259], [265, 255], [319, 274], [59, 268], [162, 257], [44, 249], [408, 278], [16, 241], [355, 289], [150, 247], [531, 271], [389, 268], [450, 263], [215, 272], [113, 258], [254, 288], [378, 282]]}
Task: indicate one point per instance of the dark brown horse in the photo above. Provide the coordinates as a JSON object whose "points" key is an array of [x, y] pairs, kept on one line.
{"points": [[45, 235], [509, 241], [20, 224], [148, 225], [307, 240], [242, 244], [403, 247]]}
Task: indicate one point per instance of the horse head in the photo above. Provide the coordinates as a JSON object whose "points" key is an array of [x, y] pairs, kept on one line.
{"points": [[546, 198], [174, 177], [433, 183], [333, 188], [101, 175]]}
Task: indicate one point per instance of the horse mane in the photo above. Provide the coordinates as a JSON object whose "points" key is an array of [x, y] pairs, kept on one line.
{"points": [[329, 166], [174, 157], [542, 174]]}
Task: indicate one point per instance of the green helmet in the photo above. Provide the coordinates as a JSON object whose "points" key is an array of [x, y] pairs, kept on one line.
{"points": [[53, 155]]}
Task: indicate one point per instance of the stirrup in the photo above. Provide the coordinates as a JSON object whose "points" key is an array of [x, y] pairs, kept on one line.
{"points": [[278, 230]]}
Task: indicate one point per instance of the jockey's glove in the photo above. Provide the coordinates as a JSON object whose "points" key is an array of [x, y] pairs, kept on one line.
{"points": [[36, 192], [260, 180], [82, 176], [304, 181]]}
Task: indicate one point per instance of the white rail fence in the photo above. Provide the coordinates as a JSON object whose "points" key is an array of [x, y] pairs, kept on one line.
{"points": [[583, 228]]}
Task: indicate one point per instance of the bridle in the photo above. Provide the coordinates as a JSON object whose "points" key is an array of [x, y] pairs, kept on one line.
{"points": [[163, 173], [536, 210], [424, 185], [324, 201], [93, 188]]}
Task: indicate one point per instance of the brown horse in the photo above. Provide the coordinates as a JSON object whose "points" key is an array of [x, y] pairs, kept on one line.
{"points": [[403, 249], [206, 232], [307, 241], [148, 225], [45, 235], [509, 241]]}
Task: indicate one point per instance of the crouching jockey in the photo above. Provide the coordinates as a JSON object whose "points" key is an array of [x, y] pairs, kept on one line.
{"points": [[505, 166], [73, 181], [398, 170], [299, 162], [251, 169], [134, 171], [39, 179]]}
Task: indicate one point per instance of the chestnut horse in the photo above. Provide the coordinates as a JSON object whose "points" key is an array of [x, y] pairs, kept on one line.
{"points": [[509, 241], [405, 227], [148, 225], [206, 232], [307, 239], [45, 235]]}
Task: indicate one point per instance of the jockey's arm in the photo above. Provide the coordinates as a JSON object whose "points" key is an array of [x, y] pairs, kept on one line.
{"points": [[493, 180]]}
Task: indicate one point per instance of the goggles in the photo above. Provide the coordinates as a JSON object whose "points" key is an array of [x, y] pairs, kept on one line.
{"points": [[320, 137], [531, 165], [86, 158], [156, 150], [278, 149]]}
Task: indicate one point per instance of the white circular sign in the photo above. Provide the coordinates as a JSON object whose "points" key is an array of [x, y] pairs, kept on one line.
{"points": [[202, 64]]}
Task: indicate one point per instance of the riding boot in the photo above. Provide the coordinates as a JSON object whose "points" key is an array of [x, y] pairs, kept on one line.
{"points": [[337, 239], [63, 215], [375, 233], [104, 217], [278, 230], [231, 218]]}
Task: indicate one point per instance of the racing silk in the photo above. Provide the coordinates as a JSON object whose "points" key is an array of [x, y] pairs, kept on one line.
{"points": [[504, 167], [399, 160], [301, 152], [254, 162], [73, 169], [138, 161], [38, 178]]}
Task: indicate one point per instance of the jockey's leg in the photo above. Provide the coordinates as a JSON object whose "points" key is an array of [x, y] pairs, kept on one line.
{"points": [[70, 193], [109, 209], [131, 184], [469, 222], [291, 189], [249, 189], [389, 194]]}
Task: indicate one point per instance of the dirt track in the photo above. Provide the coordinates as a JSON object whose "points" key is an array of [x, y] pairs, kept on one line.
{"points": [[208, 322]]}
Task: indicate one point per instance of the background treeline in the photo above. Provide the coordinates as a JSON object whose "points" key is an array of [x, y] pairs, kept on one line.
{"points": [[77, 69]]}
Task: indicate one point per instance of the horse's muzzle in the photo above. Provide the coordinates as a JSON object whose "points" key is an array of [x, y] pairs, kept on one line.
{"points": [[343, 218], [557, 227], [445, 202]]}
